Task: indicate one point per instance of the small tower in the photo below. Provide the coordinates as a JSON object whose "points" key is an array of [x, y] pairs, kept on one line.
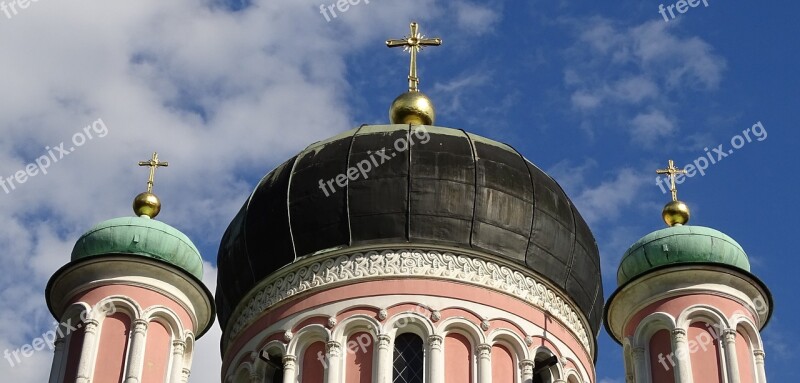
{"points": [[131, 301], [687, 308]]}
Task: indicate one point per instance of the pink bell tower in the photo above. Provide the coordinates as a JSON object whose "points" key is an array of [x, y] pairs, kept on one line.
{"points": [[687, 308], [130, 302]]}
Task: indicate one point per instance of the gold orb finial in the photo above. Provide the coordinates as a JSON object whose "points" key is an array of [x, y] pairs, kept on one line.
{"points": [[676, 213], [147, 204], [413, 108]]}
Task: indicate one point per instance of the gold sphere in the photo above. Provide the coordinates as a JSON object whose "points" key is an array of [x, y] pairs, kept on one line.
{"points": [[146, 204], [676, 213], [413, 108]]}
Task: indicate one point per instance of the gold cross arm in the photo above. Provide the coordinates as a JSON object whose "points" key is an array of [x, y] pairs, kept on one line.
{"points": [[672, 171], [153, 163], [413, 43]]}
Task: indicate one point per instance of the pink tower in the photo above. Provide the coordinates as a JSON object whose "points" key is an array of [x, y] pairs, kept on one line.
{"points": [[687, 308], [131, 302]]}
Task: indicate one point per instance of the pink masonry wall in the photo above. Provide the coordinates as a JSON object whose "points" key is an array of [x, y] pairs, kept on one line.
{"points": [[457, 359], [744, 354], [662, 359], [157, 353], [74, 345], [313, 370], [358, 358], [113, 346], [503, 370], [705, 353]]}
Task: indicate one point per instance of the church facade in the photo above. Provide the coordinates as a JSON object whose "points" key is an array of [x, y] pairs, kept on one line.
{"points": [[407, 253]]}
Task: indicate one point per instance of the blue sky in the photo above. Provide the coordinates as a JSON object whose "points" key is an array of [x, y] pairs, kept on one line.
{"points": [[599, 94]]}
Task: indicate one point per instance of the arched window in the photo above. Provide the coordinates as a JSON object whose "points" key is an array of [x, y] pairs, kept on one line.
{"points": [[409, 359]]}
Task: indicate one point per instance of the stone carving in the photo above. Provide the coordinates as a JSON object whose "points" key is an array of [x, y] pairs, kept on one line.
{"points": [[406, 263]]}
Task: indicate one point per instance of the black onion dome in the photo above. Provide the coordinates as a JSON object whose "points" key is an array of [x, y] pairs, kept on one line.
{"points": [[449, 188]]}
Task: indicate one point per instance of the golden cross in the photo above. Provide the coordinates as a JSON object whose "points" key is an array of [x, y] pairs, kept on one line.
{"points": [[413, 43], [672, 171], [153, 163]]}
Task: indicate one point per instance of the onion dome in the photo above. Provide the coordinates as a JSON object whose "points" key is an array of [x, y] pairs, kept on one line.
{"points": [[400, 186], [680, 245], [141, 236]]}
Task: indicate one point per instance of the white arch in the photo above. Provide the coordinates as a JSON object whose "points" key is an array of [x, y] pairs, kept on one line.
{"points": [[512, 339], [650, 325], [703, 313], [353, 324], [558, 369], [124, 304], [464, 327], [166, 317], [750, 330], [409, 321], [306, 336]]}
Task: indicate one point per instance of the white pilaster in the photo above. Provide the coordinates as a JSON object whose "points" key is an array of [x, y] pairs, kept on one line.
{"points": [[683, 364], [760, 371], [86, 362], [526, 369], [334, 351], [485, 363], [729, 344], [640, 365], [384, 363], [436, 359], [135, 365], [289, 369], [178, 348]]}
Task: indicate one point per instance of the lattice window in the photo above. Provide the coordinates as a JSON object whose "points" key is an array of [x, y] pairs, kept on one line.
{"points": [[409, 359]]}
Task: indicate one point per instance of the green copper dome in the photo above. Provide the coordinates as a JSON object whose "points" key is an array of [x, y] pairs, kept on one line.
{"points": [[679, 245], [141, 236]]}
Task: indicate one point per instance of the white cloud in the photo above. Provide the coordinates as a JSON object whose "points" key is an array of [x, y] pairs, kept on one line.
{"points": [[627, 69], [475, 18], [650, 126], [223, 96]]}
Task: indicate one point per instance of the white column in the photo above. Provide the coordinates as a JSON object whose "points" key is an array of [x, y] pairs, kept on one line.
{"points": [[178, 348], [384, 364], [58, 360], [289, 369], [683, 364], [526, 367], [86, 363], [729, 340], [436, 359], [185, 375], [135, 365], [760, 371], [484, 363], [639, 365], [334, 351]]}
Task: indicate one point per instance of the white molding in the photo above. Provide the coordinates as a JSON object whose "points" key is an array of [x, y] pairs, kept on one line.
{"points": [[484, 271]]}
